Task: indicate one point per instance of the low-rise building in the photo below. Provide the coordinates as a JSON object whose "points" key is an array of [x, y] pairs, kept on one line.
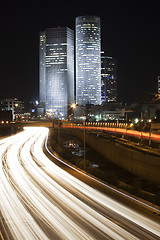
{"points": [[13, 105]]}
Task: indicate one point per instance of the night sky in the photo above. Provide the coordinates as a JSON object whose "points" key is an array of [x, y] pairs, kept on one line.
{"points": [[130, 33]]}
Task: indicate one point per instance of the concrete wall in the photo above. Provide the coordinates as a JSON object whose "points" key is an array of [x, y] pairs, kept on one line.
{"points": [[141, 163], [155, 127]]}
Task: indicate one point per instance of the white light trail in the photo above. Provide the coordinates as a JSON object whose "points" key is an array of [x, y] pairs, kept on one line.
{"points": [[39, 200]]}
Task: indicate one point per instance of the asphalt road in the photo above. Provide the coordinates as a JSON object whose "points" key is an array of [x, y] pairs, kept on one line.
{"points": [[41, 200]]}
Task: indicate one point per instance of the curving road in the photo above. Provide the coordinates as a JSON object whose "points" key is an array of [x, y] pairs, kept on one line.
{"points": [[39, 200]]}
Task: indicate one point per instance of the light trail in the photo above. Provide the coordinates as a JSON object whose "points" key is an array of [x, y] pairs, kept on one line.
{"points": [[1, 236], [104, 184], [39, 200], [133, 133]]}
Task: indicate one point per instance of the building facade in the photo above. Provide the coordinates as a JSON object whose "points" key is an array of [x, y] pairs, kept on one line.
{"points": [[158, 84], [42, 68], [57, 70], [108, 79], [88, 60], [14, 105]]}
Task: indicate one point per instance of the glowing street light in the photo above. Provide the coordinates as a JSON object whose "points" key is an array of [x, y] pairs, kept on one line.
{"points": [[73, 105], [141, 126], [84, 136], [126, 125], [149, 131]]}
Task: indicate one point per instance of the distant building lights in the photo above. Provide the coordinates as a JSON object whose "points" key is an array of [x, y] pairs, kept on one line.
{"points": [[136, 120]]}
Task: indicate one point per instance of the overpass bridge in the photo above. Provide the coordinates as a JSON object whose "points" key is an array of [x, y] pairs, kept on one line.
{"points": [[32, 123], [88, 126]]}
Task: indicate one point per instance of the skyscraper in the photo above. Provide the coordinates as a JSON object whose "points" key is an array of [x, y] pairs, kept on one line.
{"points": [[42, 68], [108, 79], [158, 84], [88, 60], [57, 70]]}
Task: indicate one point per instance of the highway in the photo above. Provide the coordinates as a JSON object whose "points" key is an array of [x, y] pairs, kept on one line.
{"points": [[40, 200]]}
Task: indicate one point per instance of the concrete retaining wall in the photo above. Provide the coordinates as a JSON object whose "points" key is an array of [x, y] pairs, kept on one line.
{"points": [[141, 163]]}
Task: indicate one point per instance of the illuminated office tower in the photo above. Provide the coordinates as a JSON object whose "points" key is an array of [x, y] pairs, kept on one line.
{"points": [[42, 69], [57, 70], [88, 60], [108, 79], [158, 84]]}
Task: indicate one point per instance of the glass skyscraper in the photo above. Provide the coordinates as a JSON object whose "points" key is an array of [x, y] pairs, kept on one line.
{"points": [[158, 84], [88, 60], [42, 68], [57, 70], [108, 79]]}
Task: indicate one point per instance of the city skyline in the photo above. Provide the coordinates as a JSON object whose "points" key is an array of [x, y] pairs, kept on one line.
{"points": [[96, 75], [129, 33]]}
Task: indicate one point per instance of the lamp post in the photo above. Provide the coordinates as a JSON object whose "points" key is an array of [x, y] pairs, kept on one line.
{"points": [[84, 134], [16, 111], [149, 131], [73, 106], [141, 126], [58, 131], [58, 134], [84, 137], [116, 126], [126, 125]]}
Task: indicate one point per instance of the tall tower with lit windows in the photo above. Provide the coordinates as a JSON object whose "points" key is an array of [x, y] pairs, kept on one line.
{"points": [[57, 70], [108, 79], [88, 60], [42, 69], [158, 84]]}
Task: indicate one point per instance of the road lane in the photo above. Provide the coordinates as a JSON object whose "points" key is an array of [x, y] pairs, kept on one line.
{"points": [[42, 201]]}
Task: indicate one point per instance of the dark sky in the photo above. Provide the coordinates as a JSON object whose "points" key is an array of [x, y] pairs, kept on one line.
{"points": [[130, 33]]}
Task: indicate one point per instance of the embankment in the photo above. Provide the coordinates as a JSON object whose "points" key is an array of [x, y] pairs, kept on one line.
{"points": [[141, 162]]}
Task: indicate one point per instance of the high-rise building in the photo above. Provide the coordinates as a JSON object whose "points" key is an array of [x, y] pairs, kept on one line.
{"points": [[158, 84], [108, 79], [57, 70], [88, 60], [42, 68]]}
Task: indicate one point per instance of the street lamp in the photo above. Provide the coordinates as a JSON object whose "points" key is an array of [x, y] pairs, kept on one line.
{"points": [[73, 105], [58, 134], [149, 131], [84, 133], [56, 112], [126, 125], [16, 110], [141, 126], [116, 126]]}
